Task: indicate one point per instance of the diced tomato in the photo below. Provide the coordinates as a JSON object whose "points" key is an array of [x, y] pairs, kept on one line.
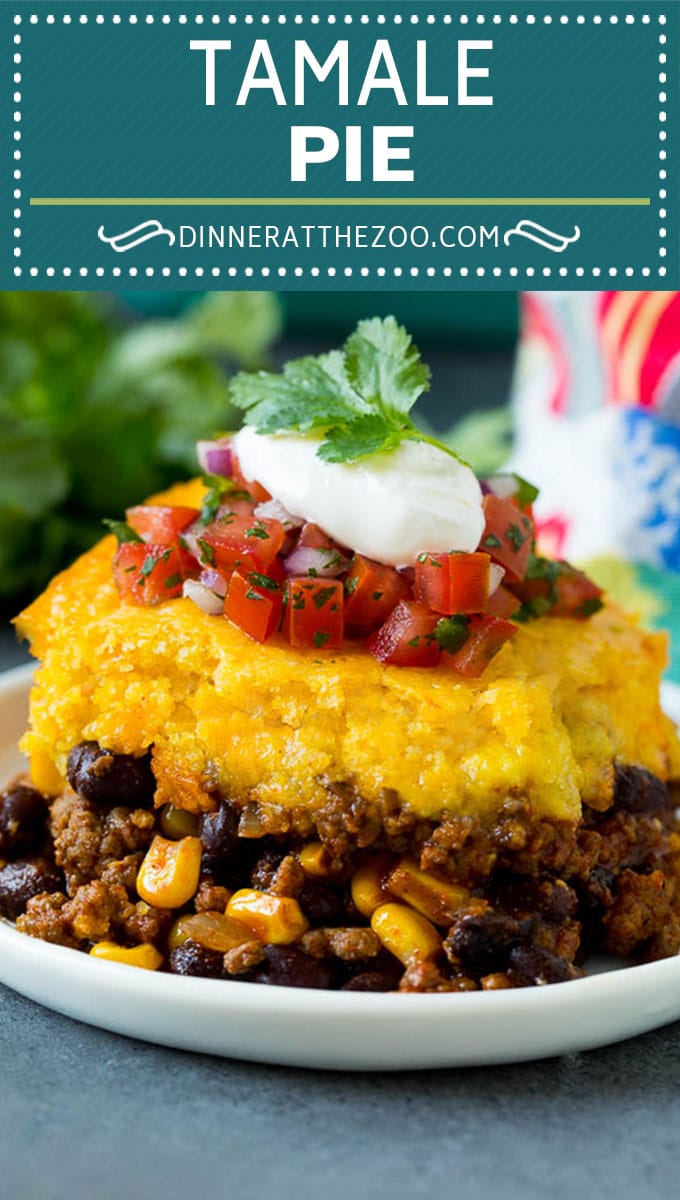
{"points": [[407, 637], [486, 636], [233, 540], [254, 602], [560, 591], [313, 615], [315, 538], [371, 592], [508, 536], [239, 506], [453, 583], [160, 523], [258, 493], [502, 603], [146, 573]]}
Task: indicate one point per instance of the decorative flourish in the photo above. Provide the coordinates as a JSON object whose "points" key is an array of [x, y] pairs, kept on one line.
{"points": [[557, 242], [129, 238]]}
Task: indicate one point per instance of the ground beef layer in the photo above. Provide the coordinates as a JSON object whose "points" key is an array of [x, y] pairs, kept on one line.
{"points": [[372, 898]]}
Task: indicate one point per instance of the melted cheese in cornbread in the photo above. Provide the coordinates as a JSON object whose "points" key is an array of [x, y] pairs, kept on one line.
{"points": [[557, 706]]}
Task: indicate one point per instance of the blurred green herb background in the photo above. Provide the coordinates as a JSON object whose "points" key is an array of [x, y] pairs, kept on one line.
{"points": [[95, 415]]}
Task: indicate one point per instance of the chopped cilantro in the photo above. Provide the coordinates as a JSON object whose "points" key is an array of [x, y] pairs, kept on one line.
{"points": [[492, 542], [218, 488], [122, 531], [258, 531], [207, 551], [515, 536], [263, 581], [251, 594], [172, 580], [377, 596], [414, 641], [591, 606], [351, 585], [320, 639], [323, 596], [451, 632], [147, 566]]}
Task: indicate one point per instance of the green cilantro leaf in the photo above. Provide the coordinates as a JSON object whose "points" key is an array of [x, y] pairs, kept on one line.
{"points": [[359, 398], [218, 487], [451, 632], [122, 531]]}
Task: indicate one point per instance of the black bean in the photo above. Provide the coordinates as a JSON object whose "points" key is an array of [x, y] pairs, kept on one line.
{"points": [[550, 899], [192, 959], [23, 811], [638, 791], [482, 942], [322, 903], [595, 897], [218, 832], [107, 779], [287, 966], [369, 981], [530, 965], [20, 881]]}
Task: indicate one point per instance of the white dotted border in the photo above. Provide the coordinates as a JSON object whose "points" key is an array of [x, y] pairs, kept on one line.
{"points": [[331, 19]]}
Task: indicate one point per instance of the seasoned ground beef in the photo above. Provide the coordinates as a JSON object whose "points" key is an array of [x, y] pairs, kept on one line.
{"points": [[532, 899]]}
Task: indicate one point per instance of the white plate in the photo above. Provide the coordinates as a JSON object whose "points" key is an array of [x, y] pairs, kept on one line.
{"points": [[337, 1030]]}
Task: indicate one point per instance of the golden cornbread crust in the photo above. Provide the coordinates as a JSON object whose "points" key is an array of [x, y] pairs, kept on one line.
{"points": [[363, 826], [275, 728]]}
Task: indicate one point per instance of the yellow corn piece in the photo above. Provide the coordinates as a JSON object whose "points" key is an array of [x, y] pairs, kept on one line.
{"points": [[315, 860], [213, 930], [45, 775], [145, 956], [168, 876], [275, 920], [407, 935], [431, 896], [367, 886]]}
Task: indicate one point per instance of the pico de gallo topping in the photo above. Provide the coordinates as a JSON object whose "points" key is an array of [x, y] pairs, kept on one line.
{"points": [[286, 579], [259, 555]]}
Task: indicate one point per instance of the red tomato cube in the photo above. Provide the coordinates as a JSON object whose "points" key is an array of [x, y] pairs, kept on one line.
{"points": [[160, 523], [486, 636], [508, 536], [313, 615], [407, 637], [147, 574], [254, 602], [453, 583], [371, 592], [502, 603], [233, 540]]}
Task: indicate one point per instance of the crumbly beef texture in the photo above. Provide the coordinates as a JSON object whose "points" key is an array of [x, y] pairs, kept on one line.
{"points": [[539, 896]]}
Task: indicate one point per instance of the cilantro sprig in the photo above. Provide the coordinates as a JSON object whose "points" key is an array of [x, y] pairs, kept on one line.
{"points": [[359, 398]]}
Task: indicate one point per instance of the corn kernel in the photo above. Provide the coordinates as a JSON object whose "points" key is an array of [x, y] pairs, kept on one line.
{"points": [[276, 920], [407, 935], [45, 775], [169, 874], [431, 896], [213, 930], [315, 860], [144, 956], [368, 887]]}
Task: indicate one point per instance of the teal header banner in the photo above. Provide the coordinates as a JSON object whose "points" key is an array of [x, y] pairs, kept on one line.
{"points": [[423, 146]]}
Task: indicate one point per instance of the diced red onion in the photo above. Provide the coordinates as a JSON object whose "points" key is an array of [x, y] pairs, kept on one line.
{"points": [[276, 512], [496, 574], [215, 458], [203, 597], [309, 560], [214, 580]]}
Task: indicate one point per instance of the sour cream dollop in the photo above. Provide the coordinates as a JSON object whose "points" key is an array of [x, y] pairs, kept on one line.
{"points": [[390, 507]]}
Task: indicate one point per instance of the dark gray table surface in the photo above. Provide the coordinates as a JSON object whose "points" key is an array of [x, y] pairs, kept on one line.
{"points": [[87, 1115]]}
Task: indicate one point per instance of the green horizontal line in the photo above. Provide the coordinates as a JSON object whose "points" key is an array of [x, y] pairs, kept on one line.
{"points": [[339, 201]]}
